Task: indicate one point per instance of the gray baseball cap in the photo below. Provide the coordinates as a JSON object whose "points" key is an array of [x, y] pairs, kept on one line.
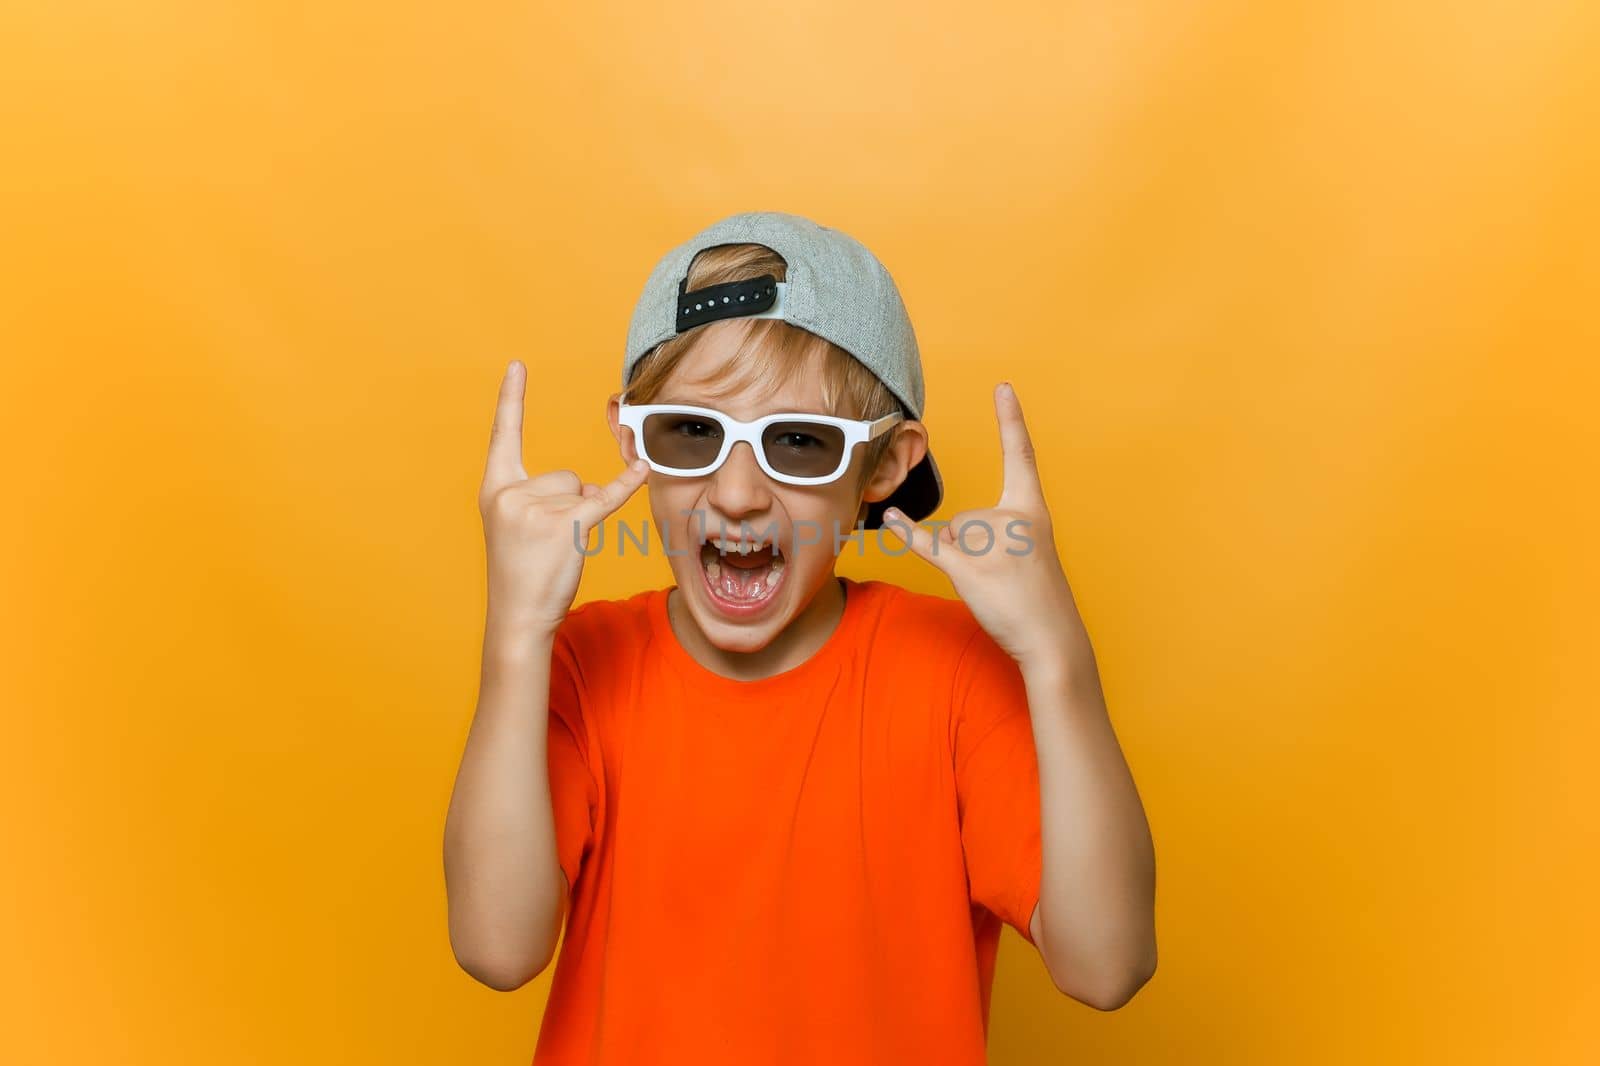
{"points": [[834, 287]]}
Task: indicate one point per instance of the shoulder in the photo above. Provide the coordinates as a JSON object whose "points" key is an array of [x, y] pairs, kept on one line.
{"points": [[597, 615], [935, 628], [606, 626], [594, 646], [932, 651]]}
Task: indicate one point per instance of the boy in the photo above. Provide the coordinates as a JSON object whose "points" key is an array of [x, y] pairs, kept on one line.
{"points": [[786, 811]]}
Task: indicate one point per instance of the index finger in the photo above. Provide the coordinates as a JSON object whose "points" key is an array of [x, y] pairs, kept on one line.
{"points": [[1020, 471], [505, 439]]}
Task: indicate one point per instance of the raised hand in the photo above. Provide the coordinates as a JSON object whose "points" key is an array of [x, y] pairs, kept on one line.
{"points": [[1002, 560], [534, 528]]}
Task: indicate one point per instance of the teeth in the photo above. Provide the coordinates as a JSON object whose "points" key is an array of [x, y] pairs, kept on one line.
{"points": [[721, 549], [743, 547]]}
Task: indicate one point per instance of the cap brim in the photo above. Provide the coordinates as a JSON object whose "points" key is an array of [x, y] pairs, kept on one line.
{"points": [[919, 495]]}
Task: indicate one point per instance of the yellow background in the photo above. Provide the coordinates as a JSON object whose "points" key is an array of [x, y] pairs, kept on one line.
{"points": [[1300, 300]]}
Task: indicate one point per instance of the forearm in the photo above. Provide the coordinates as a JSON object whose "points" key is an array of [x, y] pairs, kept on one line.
{"points": [[503, 877], [1097, 888]]}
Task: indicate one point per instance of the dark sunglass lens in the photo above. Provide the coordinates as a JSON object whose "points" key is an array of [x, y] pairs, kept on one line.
{"points": [[682, 441], [803, 449]]}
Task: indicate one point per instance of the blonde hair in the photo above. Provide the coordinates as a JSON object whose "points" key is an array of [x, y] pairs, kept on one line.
{"points": [[771, 353]]}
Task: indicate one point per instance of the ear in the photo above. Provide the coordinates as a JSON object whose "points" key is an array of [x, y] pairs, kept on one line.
{"points": [[906, 449], [623, 434]]}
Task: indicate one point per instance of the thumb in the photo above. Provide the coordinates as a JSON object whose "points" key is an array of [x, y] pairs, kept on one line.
{"points": [[908, 533], [608, 497]]}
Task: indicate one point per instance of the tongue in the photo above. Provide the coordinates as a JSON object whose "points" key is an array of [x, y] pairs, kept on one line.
{"points": [[737, 582], [746, 577]]}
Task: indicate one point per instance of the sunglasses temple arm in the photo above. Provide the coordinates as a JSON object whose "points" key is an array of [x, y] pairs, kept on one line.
{"points": [[877, 427]]}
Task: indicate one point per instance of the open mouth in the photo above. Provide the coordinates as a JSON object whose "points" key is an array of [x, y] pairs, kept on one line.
{"points": [[741, 575]]}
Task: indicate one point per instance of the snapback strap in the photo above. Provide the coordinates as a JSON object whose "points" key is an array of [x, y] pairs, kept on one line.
{"points": [[761, 297]]}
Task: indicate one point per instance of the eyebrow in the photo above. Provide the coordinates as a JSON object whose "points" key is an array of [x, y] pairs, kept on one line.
{"points": [[782, 411]]}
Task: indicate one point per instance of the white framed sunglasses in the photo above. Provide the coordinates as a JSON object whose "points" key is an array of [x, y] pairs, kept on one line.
{"points": [[792, 447]]}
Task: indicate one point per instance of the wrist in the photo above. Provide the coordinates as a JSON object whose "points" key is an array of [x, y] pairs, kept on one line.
{"points": [[1067, 667], [509, 632]]}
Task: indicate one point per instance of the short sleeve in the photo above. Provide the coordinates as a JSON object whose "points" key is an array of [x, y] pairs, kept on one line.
{"points": [[574, 792], [997, 782]]}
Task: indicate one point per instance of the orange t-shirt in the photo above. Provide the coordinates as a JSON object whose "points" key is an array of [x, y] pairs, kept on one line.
{"points": [[808, 868]]}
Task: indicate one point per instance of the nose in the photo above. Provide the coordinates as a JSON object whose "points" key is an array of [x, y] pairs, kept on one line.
{"points": [[740, 487]]}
